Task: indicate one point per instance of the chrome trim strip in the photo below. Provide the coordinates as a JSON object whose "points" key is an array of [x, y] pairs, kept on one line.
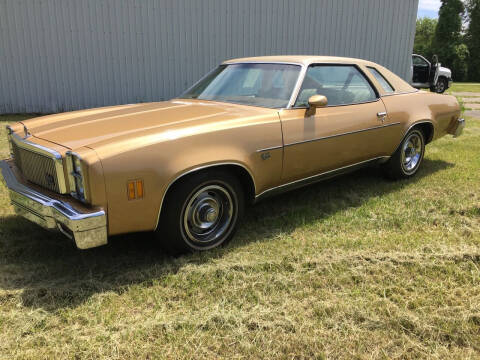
{"points": [[298, 86], [227, 62], [401, 93], [342, 134], [89, 229], [270, 148], [318, 177], [198, 169], [35, 147], [339, 105]]}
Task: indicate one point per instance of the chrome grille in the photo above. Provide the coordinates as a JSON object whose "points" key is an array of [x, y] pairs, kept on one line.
{"points": [[37, 168]]}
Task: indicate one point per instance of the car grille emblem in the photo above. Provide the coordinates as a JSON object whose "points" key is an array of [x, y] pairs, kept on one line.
{"points": [[50, 179]]}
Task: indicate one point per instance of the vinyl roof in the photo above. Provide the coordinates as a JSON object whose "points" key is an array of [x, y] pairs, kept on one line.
{"points": [[301, 59]]}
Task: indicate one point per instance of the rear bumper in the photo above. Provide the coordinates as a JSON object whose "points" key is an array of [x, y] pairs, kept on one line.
{"points": [[88, 229], [459, 127]]}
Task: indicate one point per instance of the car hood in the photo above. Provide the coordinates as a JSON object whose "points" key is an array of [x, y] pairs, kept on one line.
{"points": [[105, 125], [444, 71]]}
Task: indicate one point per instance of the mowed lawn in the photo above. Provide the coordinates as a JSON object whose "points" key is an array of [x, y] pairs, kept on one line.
{"points": [[358, 267], [465, 87]]}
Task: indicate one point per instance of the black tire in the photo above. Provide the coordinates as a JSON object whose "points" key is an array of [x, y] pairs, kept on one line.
{"points": [[402, 164], [442, 85], [201, 212]]}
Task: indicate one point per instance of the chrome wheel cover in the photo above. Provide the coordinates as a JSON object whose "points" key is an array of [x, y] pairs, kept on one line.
{"points": [[208, 215], [412, 152]]}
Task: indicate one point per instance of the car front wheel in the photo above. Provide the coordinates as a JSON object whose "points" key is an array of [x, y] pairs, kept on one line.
{"points": [[406, 160], [441, 86], [201, 212]]}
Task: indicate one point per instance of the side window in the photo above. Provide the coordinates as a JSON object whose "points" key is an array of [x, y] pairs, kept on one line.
{"points": [[381, 80], [341, 84], [418, 61]]}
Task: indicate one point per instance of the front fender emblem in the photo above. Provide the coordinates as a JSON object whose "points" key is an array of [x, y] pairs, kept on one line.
{"points": [[265, 155]]}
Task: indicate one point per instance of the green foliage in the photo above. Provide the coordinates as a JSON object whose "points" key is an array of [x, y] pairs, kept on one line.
{"points": [[460, 62], [473, 39], [425, 31], [445, 37], [448, 36]]}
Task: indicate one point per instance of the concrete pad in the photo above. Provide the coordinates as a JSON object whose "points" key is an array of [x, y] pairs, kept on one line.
{"points": [[471, 99], [472, 106], [472, 113]]}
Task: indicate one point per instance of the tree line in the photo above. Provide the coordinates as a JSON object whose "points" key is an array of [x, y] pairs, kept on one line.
{"points": [[454, 37]]}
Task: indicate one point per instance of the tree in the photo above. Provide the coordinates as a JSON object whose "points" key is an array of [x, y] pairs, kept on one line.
{"points": [[473, 40], [460, 63], [448, 35], [425, 31]]}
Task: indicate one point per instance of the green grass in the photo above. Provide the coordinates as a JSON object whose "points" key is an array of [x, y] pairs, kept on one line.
{"points": [[465, 87], [354, 268]]}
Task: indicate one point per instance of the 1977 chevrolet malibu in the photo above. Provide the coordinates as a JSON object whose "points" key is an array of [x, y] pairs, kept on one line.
{"points": [[186, 168]]}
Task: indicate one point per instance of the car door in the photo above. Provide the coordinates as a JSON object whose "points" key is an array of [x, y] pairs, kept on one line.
{"points": [[346, 132], [421, 70]]}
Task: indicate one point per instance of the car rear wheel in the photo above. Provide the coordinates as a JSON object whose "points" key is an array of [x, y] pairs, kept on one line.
{"points": [[201, 212], [406, 160]]}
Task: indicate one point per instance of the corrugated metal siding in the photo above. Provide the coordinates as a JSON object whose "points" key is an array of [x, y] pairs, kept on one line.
{"points": [[58, 55]]}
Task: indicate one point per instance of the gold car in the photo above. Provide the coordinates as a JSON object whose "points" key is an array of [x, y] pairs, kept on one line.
{"points": [[186, 168]]}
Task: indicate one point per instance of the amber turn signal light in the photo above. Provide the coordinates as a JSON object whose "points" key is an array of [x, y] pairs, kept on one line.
{"points": [[135, 189]]}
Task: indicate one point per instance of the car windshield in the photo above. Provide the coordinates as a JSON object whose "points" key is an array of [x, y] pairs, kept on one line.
{"points": [[265, 85]]}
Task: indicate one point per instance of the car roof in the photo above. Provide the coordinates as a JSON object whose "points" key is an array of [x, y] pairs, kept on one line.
{"points": [[301, 60], [398, 84]]}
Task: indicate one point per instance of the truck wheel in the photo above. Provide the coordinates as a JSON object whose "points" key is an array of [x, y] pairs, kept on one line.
{"points": [[441, 86], [201, 212], [406, 160]]}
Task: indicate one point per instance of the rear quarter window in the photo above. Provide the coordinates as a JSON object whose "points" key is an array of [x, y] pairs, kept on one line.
{"points": [[381, 80]]}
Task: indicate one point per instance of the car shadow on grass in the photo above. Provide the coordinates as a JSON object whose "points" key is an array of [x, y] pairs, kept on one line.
{"points": [[53, 274]]}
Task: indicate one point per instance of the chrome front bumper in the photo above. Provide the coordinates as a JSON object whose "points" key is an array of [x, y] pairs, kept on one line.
{"points": [[459, 128], [88, 229]]}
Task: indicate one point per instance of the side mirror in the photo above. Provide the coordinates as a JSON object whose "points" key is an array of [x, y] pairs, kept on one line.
{"points": [[314, 102]]}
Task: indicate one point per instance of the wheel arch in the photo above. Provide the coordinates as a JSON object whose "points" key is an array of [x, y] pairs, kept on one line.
{"points": [[244, 174], [425, 126]]}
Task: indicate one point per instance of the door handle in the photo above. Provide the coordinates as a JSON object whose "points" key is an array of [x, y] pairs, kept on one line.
{"points": [[381, 116]]}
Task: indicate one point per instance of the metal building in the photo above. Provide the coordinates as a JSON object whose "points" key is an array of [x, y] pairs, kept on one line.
{"points": [[58, 55]]}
